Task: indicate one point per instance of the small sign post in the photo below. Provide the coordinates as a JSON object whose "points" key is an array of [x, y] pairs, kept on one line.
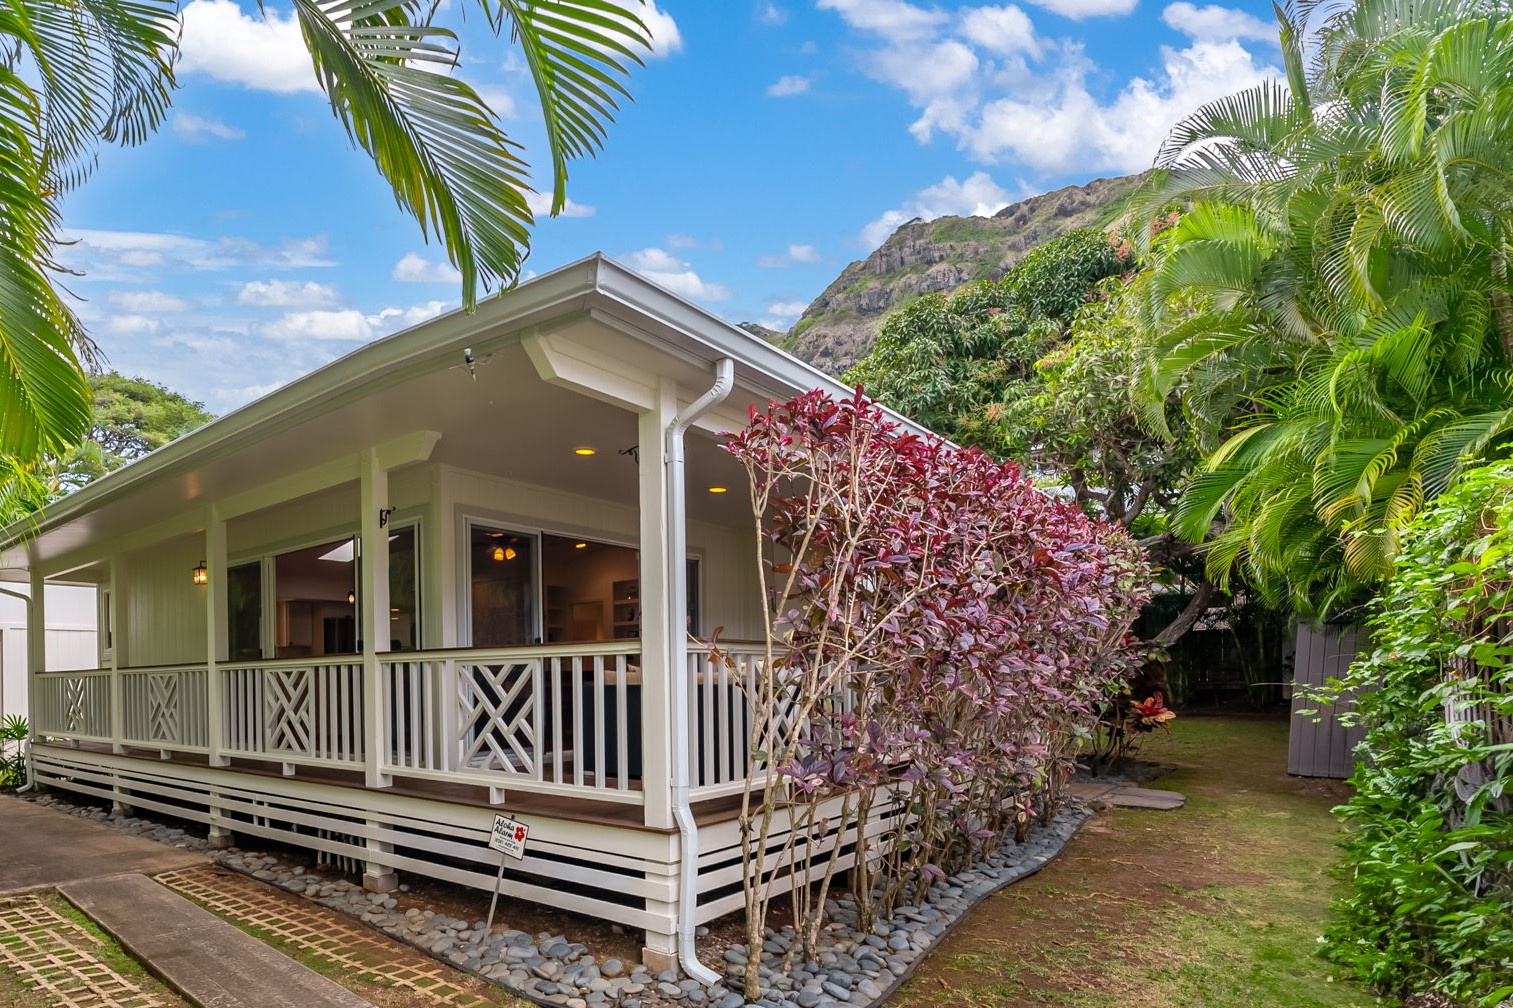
{"points": [[508, 838]]}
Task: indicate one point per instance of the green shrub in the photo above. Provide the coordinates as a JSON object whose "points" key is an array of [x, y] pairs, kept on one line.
{"points": [[1429, 848], [13, 734]]}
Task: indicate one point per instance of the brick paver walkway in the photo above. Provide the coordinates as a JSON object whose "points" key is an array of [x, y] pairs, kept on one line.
{"points": [[63, 961], [330, 941]]}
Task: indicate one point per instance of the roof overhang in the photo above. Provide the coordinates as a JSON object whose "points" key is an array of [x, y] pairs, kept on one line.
{"points": [[593, 327]]}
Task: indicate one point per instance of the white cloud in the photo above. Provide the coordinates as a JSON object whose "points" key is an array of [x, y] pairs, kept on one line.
{"points": [[131, 325], [265, 53], [795, 254], [541, 206], [1217, 24], [394, 319], [1068, 128], [196, 129], [666, 39], [414, 268], [146, 302], [664, 268], [350, 326], [788, 86], [893, 19], [498, 98], [986, 80], [127, 255], [1001, 30], [1076, 10], [782, 313], [287, 294], [771, 14], [977, 196]]}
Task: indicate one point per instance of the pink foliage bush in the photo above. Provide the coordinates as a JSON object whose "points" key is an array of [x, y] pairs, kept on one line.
{"points": [[941, 637]]}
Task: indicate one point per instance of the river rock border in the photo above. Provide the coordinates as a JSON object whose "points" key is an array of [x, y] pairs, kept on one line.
{"points": [[852, 969]]}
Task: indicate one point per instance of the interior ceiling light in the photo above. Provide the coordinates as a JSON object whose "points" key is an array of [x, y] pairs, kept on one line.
{"points": [[504, 553], [719, 490], [580, 545], [351, 597], [585, 452]]}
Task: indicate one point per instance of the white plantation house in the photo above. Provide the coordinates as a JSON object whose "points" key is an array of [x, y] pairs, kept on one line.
{"points": [[456, 573]]}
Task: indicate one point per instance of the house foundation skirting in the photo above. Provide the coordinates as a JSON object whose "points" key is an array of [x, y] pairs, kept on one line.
{"points": [[619, 874], [616, 873]]}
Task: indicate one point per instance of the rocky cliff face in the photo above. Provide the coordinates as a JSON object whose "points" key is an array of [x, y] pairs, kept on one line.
{"points": [[841, 324]]}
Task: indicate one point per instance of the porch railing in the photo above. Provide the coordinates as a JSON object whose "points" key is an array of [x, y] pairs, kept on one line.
{"points": [[296, 711], [563, 717], [166, 707], [73, 705], [719, 687], [557, 719]]}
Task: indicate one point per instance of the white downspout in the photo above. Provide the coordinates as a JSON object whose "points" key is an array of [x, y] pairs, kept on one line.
{"points": [[30, 672], [677, 610]]}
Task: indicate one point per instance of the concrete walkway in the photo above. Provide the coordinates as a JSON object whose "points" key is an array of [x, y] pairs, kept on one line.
{"points": [[44, 849], [210, 962]]}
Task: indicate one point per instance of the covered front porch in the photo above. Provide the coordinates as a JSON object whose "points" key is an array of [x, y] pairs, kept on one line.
{"points": [[468, 569]]}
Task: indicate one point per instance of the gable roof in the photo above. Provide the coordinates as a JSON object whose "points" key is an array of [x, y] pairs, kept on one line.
{"points": [[598, 305]]}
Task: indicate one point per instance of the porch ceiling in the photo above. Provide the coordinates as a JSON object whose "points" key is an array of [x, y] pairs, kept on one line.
{"points": [[502, 420]]}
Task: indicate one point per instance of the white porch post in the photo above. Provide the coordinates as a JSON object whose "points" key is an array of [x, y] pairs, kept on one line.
{"points": [[216, 639], [36, 646], [657, 675], [217, 643], [373, 594]]}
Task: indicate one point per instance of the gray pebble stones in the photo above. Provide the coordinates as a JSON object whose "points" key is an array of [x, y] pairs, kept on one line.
{"points": [[852, 969]]}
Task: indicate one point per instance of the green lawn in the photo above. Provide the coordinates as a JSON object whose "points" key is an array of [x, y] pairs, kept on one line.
{"points": [[1217, 905]]}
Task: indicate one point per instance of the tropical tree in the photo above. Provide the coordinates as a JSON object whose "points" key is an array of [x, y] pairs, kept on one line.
{"points": [[129, 418], [73, 75], [1037, 367], [1337, 294]]}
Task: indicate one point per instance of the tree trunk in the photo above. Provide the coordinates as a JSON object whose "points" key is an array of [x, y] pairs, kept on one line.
{"points": [[1200, 603]]}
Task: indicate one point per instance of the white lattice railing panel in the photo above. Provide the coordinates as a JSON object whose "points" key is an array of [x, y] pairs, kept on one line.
{"points": [[565, 717], [499, 706], [165, 708], [295, 712], [73, 705]]}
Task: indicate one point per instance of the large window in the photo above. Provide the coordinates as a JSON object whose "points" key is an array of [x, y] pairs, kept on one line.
{"points": [[502, 569], [315, 599], [404, 590], [244, 611]]}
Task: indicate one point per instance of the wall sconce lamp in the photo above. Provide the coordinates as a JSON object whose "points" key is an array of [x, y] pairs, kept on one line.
{"points": [[383, 516], [201, 575]]}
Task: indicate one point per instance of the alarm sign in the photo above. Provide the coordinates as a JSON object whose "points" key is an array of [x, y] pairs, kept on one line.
{"points": [[509, 836]]}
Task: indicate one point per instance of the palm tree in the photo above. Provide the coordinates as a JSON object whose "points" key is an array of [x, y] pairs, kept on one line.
{"points": [[73, 74], [1337, 296]]}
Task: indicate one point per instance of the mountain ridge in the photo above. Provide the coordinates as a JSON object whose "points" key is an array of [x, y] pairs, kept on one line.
{"points": [[920, 257]]}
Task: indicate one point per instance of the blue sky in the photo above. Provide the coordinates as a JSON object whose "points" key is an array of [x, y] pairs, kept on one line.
{"points": [[770, 143]]}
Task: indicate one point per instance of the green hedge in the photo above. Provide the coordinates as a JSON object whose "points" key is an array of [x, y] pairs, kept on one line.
{"points": [[1429, 848]]}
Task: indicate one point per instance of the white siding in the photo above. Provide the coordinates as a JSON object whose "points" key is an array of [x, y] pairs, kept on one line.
{"points": [[71, 641], [160, 610]]}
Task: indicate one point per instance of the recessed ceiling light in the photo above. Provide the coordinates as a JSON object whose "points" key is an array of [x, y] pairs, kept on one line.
{"points": [[585, 451], [718, 490], [580, 545]]}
